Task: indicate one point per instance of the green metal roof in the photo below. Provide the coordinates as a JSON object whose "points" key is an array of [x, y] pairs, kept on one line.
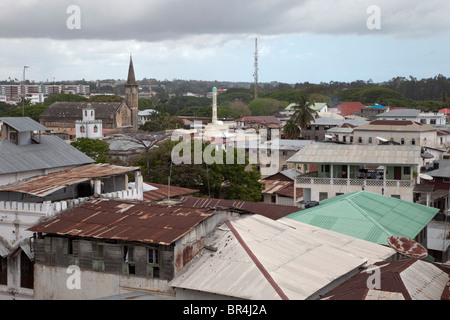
{"points": [[368, 216]]}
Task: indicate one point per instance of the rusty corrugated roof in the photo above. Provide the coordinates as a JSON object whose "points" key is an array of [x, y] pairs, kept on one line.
{"points": [[126, 220], [271, 211], [163, 192], [45, 185], [413, 279]]}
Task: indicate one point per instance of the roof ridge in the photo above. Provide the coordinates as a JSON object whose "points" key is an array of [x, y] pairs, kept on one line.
{"points": [[366, 215]]}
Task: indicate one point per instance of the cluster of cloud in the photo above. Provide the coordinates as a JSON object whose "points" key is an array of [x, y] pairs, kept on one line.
{"points": [[158, 20]]}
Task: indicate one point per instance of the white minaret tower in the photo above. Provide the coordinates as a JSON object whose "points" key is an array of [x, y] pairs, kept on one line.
{"points": [[214, 106]]}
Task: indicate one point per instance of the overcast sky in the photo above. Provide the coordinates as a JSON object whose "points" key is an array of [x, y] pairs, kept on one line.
{"points": [[298, 40]]}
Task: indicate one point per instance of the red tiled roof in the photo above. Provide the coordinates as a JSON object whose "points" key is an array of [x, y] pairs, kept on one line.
{"points": [[349, 108]]}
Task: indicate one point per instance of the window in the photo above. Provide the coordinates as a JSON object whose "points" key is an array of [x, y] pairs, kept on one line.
{"points": [[370, 140], [323, 196], [153, 256], [4, 271], [82, 129], [48, 245], [413, 141], [97, 257], [433, 121], [95, 129], [128, 259], [402, 141], [284, 167], [406, 170], [397, 196], [273, 199], [26, 271], [285, 153], [359, 140]]}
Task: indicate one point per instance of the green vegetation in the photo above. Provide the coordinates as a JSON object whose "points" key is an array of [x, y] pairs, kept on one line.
{"points": [[231, 180], [94, 148]]}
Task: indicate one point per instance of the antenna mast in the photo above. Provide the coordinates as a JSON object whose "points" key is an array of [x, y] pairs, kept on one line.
{"points": [[256, 68]]}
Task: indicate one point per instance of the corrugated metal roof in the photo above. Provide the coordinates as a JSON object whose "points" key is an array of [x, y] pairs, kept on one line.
{"points": [[358, 154], [162, 192], [301, 259], [51, 153], [44, 185], [273, 186], [126, 220], [22, 124], [368, 216], [406, 279], [271, 211]]}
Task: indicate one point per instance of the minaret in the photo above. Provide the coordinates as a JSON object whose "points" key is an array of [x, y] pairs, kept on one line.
{"points": [[214, 106], [131, 95]]}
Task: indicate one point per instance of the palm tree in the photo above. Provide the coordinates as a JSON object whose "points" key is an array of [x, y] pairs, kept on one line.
{"points": [[291, 130], [303, 115]]}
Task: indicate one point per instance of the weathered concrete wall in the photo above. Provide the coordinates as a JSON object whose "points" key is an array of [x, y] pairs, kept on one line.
{"points": [[51, 284]]}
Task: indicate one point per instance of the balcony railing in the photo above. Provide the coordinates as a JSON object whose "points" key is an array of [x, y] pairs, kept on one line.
{"points": [[355, 182]]}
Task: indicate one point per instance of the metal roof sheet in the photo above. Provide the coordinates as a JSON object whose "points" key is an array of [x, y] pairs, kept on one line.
{"points": [[52, 152], [271, 211], [406, 279], [358, 154], [301, 259], [368, 216], [126, 220], [44, 185], [22, 124], [163, 192]]}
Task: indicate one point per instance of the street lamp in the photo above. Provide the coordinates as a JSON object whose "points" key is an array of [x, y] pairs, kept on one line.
{"points": [[23, 91]]}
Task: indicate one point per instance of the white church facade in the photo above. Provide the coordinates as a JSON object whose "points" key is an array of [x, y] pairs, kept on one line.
{"points": [[89, 127]]}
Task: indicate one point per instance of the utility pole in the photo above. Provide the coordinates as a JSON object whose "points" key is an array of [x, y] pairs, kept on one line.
{"points": [[256, 68], [23, 92]]}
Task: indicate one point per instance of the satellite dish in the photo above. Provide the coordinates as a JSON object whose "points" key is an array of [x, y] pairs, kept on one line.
{"points": [[425, 176], [407, 247], [382, 139]]}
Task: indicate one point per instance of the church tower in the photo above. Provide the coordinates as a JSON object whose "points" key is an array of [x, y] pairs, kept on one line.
{"points": [[131, 95]]}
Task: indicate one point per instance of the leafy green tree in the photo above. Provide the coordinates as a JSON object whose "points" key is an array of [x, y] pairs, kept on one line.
{"points": [[233, 180], [64, 97], [32, 111], [161, 121], [303, 114], [106, 98], [144, 103], [291, 130], [265, 106], [94, 148]]}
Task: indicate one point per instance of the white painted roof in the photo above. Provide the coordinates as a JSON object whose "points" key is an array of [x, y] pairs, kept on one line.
{"points": [[302, 260]]}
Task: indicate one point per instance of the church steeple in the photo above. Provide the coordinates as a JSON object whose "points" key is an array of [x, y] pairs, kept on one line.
{"points": [[131, 78], [131, 95]]}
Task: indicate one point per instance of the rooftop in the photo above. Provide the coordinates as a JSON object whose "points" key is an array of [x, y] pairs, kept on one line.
{"points": [[42, 186], [368, 216], [52, 152], [271, 211], [406, 279], [358, 154], [126, 220], [22, 124], [408, 113], [395, 125], [258, 258]]}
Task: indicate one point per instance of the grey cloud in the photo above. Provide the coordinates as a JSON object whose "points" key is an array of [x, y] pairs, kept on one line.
{"points": [[158, 20]]}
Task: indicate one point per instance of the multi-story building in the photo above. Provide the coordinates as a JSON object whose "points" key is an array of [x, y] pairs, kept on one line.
{"points": [[390, 170]]}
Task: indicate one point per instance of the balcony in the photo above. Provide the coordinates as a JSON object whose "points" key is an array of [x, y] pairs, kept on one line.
{"points": [[302, 180]]}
